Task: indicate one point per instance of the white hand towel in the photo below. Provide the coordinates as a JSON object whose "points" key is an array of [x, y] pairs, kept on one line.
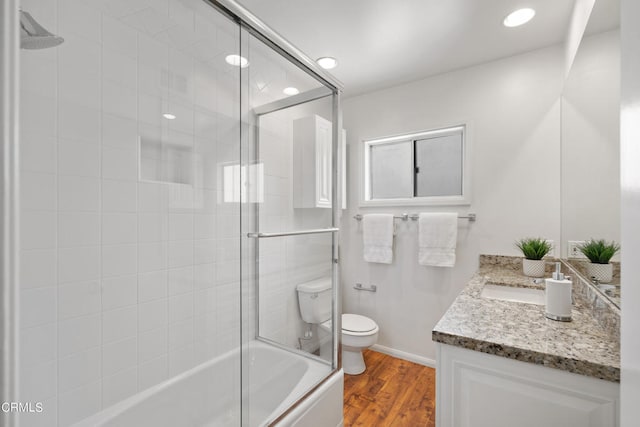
{"points": [[377, 233], [437, 234]]}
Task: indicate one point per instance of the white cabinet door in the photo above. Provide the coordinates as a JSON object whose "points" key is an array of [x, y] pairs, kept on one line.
{"points": [[312, 152], [476, 390]]}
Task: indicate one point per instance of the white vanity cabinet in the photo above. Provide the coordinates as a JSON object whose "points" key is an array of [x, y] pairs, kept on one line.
{"points": [[475, 389], [312, 163]]}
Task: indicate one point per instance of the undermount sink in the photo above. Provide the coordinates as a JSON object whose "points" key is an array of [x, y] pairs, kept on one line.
{"points": [[510, 293]]}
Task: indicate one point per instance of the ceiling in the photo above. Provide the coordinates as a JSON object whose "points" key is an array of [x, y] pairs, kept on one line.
{"points": [[382, 43]]}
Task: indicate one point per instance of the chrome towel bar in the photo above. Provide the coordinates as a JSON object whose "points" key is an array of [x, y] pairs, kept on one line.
{"points": [[292, 233], [414, 217]]}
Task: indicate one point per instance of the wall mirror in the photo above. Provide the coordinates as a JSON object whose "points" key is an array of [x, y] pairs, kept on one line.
{"points": [[590, 174], [423, 168]]}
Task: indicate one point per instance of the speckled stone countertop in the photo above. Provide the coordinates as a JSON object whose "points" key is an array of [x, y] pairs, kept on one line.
{"points": [[521, 331]]}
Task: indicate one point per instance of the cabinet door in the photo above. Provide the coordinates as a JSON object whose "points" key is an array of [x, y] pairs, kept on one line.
{"points": [[323, 163], [477, 390]]}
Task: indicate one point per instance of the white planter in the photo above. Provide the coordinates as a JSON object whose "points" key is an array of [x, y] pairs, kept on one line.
{"points": [[603, 273], [533, 267]]}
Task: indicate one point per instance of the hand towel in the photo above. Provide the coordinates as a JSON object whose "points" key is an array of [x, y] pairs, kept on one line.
{"points": [[437, 234], [377, 233]]}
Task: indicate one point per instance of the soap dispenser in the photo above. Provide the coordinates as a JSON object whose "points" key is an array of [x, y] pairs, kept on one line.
{"points": [[558, 297]]}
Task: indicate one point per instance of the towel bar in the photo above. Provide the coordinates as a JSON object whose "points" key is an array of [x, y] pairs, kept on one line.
{"points": [[414, 217]]}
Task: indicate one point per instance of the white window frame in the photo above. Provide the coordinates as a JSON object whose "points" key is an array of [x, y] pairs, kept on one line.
{"points": [[457, 200]]}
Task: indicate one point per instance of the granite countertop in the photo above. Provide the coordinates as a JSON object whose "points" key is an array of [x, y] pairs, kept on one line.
{"points": [[521, 331]]}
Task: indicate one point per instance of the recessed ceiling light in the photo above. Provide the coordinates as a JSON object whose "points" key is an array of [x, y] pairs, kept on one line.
{"points": [[237, 61], [169, 116], [327, 62], [290, 91], [519, 17]]}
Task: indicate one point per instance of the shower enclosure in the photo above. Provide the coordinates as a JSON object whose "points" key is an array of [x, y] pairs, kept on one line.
{"points": [[154, 175]]}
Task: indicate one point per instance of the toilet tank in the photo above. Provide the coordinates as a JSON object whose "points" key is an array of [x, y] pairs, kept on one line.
{"points": [[314, 299]]}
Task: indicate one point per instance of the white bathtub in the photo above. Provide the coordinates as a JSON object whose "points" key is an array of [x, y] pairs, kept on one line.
{"points": [[209, 394]]}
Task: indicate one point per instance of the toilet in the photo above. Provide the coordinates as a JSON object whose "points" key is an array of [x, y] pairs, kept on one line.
{"points": [[358, 332]]}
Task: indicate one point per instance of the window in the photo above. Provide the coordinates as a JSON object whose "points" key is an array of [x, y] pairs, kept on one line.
{"points": [[426, 168]]}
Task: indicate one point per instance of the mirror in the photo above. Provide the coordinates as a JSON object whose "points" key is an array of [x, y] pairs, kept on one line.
{"points": [[590, 163]]}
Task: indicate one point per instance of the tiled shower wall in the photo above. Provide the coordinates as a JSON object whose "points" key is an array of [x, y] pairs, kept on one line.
{"points": [[130, 257]]}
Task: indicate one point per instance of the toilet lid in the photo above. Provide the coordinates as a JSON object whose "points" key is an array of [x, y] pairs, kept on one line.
{"points": [[357, 323]]}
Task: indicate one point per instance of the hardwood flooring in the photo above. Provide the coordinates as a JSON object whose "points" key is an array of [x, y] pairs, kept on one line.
{"points": [[391, 392]]}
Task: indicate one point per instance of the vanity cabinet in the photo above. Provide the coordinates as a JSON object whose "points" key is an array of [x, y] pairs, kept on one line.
{"points": [[312, 151], [475, 389]]}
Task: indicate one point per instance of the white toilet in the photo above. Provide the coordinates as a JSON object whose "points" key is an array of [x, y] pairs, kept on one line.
{"points": [[358, 332]]}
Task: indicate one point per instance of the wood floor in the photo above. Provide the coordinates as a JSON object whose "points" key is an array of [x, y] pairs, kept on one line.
{"points": [[391, 392]]}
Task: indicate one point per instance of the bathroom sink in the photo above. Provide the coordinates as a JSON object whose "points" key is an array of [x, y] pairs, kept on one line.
{"points": [[510, 293]]}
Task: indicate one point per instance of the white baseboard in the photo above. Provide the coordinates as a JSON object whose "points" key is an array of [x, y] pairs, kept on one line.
{"points": [[421, 360]]}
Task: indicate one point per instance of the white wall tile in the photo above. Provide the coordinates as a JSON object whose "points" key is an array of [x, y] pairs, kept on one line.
{"points": [[79, 18], [119, 196], [78, 123], [119, 132], [38, 191], [38, 268], [38, 230], [181, 359], [119, 324], [78, 158], [77, 334], [153, 227], [153, 315], [152, 285], [39, 72], [79, 72], [180, 253], [78, 299], [152, 256], [120, 355], [180, 307], [205, 226], [152, 197], [118, 163], [79, 369], [38, 345], [48, 417], [38, 115], [38, 152], [119, 260], [180, 334], [205, 251], [39, 382], [119, 292], [180, 280], [118, 36], [153, 372], [37, 306], [78, 264], [119, 386], [152, 344], [119, 68], [78, 229], [119, 100], [79, 403], [119, 228], [181, 226], [204, 276], [78, 193]]}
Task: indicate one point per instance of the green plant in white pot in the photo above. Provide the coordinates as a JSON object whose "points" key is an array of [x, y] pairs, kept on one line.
{"points": [[599, 253], [533, 249]]}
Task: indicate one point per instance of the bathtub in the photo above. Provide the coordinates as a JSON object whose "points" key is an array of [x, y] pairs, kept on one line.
{"points": [[209, 394]]}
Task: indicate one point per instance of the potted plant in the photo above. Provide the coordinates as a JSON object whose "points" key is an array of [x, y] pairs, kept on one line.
{"points": [[533, 249], [599, 253]]}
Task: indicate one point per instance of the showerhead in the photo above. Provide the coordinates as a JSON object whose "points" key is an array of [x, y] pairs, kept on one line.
{"points": [[34, 35]]}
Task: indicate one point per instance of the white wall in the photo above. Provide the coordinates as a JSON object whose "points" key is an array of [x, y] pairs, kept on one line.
{"points": [[124, 282], [630, 206], [511, 107], [591, 142]]}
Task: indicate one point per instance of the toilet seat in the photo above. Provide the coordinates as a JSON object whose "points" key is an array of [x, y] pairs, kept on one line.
{"points": [[354, 324]]}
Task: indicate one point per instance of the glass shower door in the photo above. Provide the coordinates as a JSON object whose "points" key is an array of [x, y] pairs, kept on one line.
{"points": [[288, 234]]}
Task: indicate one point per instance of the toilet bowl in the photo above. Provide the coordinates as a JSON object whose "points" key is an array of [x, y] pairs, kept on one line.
{"points": [[358, 333]]}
